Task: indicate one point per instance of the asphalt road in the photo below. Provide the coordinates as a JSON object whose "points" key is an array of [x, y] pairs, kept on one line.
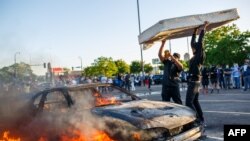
{"points": [[226, 107]]}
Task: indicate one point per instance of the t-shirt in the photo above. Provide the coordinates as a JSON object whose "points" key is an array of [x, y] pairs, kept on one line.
{"points": [[227, 72], [213, 72], [170, 73]]}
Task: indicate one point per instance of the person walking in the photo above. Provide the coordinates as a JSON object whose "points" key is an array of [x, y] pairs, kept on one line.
{"points": [[195, 63], [127, 82], [227, 73], [221, 77], [236, 76], [204, 80], [214, 78], [246, 74], [172, 68], [132, 80]]}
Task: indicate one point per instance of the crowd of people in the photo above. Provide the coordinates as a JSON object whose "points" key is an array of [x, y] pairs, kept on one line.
{"points": [[225, 77]]}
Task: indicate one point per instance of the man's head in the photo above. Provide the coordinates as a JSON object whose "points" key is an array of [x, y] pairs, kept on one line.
{"points": [[177, 56], [166, 53], [247, 61]]}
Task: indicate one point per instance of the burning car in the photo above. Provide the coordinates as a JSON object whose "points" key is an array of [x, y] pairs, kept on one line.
{"points": [[98, 112]]}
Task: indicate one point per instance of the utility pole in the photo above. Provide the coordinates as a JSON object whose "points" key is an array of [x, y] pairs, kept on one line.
{"points": [[139, 24], [170, 46]]}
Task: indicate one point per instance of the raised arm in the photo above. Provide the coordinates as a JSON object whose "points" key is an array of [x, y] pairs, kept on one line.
{"points": [[177, 63], [161, 57], [203, 32], [194, 37]]}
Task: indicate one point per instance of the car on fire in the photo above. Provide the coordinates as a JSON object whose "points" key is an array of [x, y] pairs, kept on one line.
{"points": [[123, 111]]}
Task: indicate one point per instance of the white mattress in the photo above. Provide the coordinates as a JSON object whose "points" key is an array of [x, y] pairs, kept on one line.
{"points": [[184, 26]]}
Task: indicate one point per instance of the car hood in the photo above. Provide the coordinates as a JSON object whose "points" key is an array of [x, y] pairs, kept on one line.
{"points": [[145, 114]]}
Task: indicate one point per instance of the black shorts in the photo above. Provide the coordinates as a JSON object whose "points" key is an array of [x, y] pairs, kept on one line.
{"points": [[204, 82], [213, 80]]}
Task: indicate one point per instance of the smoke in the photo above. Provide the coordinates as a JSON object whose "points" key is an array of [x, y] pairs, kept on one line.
{"points": [[57, 122]]}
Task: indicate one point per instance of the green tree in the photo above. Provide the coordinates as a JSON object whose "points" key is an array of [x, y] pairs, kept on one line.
{"points": [[226, 45], [105, 66], [23, 72], [122, 66], [148, 68], [161, 66], [135, 67], [91, 71]]}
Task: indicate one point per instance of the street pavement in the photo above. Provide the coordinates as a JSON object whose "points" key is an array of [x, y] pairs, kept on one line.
{"points": [[219, 108]]}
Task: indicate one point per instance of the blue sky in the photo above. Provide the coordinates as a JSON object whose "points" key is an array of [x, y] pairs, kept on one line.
{"points": [[59, 31]]}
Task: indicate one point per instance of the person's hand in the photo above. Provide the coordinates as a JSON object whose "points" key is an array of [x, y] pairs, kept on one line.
{"points": [[196, 30], [206, 23], [163, 40]]}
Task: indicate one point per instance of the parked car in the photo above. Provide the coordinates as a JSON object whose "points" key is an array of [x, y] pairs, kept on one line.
{"points": [[126, 116], [157, 79]]}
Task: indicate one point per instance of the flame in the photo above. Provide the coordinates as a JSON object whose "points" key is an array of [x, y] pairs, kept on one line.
{"points": [[100, 101], [101, 136], [75, 135], [137, 136], [7, 138]]}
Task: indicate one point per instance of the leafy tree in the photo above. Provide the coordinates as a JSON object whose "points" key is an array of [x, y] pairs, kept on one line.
{"points": [[135, 67], [91, 71], [148, 68], [105, 66], [161, 67], [122, 66], [19, 71], [226, 45]]}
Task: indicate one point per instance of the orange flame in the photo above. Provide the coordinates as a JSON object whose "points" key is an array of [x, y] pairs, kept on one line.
{"points": [[7, 138], [137, 136], [100, 101], [101, 136], [77, 135]]}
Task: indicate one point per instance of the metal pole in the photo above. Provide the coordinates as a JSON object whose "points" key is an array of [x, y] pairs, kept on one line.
{"points": [[170, 46], [139, 24]]}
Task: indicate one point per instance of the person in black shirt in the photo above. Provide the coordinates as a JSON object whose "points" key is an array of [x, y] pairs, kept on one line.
{"points": [[195, 63], [214, 78], [221, 77], [204, 79], [172, 68]]}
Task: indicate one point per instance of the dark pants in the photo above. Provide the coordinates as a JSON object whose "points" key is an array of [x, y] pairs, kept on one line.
{"points": [[169, 92], [222, 82], [192, 99], [228, 81]]}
